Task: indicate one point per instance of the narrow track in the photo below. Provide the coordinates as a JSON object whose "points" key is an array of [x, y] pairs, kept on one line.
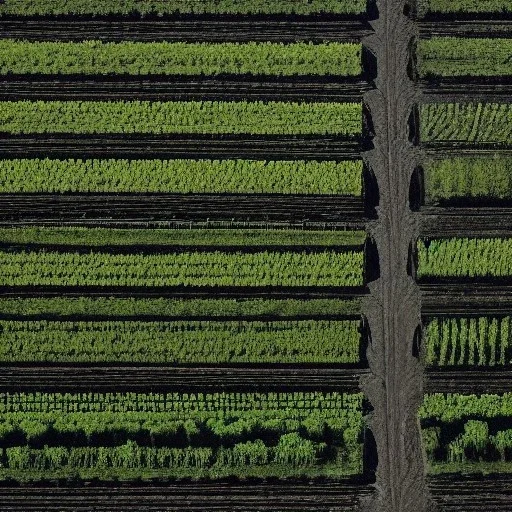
{"points": [[462, 221], [472, 493], [94, 208], [213, 29], [176, 146], [268, 497], [466, 28], [468, 381], [161, 88], [147, 378], [460, 89], [447, 149]]}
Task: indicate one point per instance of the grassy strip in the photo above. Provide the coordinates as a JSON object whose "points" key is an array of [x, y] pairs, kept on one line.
{"points": [[177, 237], [468, 122], [480, 341], [464, 6], [206, 117], [40, 268], [138, 308], [465, 468], [182, 176], [464, 257], [478, 178], [162, 7], [179, 342], [164, 58], [457, 56]]}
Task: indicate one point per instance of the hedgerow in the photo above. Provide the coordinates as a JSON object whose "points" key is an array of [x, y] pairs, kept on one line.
{"points": [[458, 56], [207, 117], [182, 176], [466, 177], [81, 236], [41, 268], [180, 341], [482, 341], [165, 58], [86, 307], [464, 257], [164, 7], [468, 122]]}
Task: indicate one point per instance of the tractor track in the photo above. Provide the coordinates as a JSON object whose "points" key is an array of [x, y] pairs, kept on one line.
{"points": [[465, 28], [471, 381], [465, 89]]}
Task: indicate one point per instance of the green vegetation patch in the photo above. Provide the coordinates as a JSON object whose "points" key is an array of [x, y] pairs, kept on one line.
{"points": [[206, 117], [182, 176], [165, 58], [465, 257], [458, 56], [86, 307], [180, 434], [463, 341], [163, 7], [466, 177], [466, 122], [41, 268], [467, 433], [177, 342], [464, 6], [178, 237]]}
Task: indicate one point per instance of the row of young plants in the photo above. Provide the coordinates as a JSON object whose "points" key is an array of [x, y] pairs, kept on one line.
{"points": [[183, 176], [167, 7], [476, 178], [50, 268], [166, 58], [464, 341], [85, 308], [466, 122], [177, 342], [464, 6], [177, 434], [458, 56], [200, 117], [467, 433], [465, 257], [80, 236]]}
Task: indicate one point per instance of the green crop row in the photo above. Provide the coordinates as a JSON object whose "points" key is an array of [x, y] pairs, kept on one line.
{"points": [[193, 341], [174, 431], [41, 268], [449, 408], [464, 6], [182, 176], [465, 257], [468, 341], [463, 177], [206, 117], [466, 122], [164, 58], [457, 56], [163, 7], [177, 237], [85, 307]]}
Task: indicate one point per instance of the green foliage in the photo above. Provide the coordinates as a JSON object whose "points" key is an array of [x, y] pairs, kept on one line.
{"points": [[63, 307], [182, 176], [177, 237], [480, 341], [464, 6], [206, 117], [465, 257], [163, 7], [164, 58], [458, 56], [466, 122], [464, 177], [181, 341], [41, 268], [221, 432]]}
